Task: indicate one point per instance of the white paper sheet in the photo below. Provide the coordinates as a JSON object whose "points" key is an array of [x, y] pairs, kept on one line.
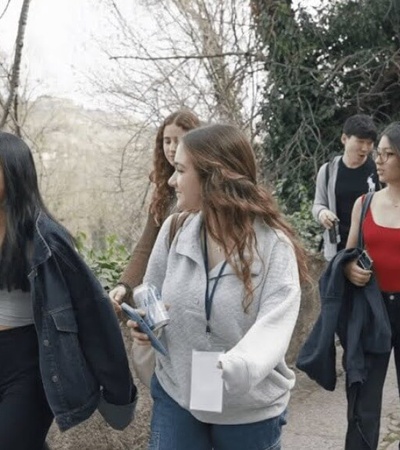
{"points": [[206, 384]]}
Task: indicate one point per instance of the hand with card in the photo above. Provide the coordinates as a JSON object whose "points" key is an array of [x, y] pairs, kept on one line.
{"points": [[137, 335]]}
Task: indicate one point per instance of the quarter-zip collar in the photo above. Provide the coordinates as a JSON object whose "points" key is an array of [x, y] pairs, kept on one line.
{"points": [[189, 239], [189, 245]]}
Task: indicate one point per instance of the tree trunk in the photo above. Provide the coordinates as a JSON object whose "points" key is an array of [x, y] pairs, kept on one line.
{"points": [[16, 69]]}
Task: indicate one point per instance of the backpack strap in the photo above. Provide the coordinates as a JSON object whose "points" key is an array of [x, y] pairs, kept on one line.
{"points": [[177, 221], [366, 201], [327, 169], [327, 175]]}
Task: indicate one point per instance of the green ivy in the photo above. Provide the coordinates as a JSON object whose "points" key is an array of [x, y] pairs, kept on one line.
{"points": [[323, 68], [108, 261], [309, 231]]}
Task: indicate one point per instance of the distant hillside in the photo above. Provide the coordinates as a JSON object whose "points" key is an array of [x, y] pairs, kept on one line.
{"points": [[93, 166]]}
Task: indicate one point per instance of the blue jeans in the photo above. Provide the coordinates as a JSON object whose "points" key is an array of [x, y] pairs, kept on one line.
{"points": [[175, 428]]}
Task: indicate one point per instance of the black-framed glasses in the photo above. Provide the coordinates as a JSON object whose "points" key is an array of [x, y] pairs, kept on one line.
{"points": [[383, 153]]}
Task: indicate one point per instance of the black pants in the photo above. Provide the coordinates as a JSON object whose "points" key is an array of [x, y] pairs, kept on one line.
{"points": [[25, 416], [364, 401]]}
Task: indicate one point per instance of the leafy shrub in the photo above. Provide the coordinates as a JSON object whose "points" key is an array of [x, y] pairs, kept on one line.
{"points": [[108, 261], [309, 230]]}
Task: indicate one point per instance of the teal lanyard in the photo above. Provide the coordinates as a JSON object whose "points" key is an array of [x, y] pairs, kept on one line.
{"points": [[210, 297]]}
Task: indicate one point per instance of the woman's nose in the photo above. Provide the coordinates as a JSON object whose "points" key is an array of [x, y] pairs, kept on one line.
{"points": [[172, 180]]}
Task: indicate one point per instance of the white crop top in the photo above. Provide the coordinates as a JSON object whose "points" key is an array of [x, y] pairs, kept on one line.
{"points": [[15, 308]]}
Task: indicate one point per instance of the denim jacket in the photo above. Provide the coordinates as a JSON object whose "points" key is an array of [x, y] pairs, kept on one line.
{"points": [[82, 357]]}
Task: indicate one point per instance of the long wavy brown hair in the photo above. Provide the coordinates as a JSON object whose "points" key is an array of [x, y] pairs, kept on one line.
{"points": [[232, 198], [162, 171]]}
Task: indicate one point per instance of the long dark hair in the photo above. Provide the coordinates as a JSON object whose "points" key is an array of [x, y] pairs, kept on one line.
{"points": [[162, 169], [21, 205], [232, 198]]}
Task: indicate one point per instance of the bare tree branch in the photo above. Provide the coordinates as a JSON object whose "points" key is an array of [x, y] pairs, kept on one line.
{"points": [[5, 9], [202, 55], [178, 57]]}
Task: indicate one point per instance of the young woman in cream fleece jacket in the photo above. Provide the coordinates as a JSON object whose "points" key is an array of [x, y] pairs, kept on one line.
{"points": [[236, 244]]}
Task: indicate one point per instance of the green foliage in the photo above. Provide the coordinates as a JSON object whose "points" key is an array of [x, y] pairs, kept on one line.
{"points": [[322, 69], [309, 231], [107, 262]]}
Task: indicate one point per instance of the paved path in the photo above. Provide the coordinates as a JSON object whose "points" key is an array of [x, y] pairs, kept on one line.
{"points": [[317, 418]]}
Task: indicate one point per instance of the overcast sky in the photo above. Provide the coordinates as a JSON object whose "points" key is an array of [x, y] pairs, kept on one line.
{"points": [[62, 43], [60, 46]]}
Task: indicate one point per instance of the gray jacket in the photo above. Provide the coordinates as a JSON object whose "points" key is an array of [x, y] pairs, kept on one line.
{"points": [[325, 199], [257, 379]]}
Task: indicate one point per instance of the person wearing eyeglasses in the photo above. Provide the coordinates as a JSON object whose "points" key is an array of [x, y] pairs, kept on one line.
{"points": [[341, 181], [381, 233]]}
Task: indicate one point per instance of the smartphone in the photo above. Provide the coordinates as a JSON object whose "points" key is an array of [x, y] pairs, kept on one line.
{"points": [[364, 261], [144, 328], [334, 235]]}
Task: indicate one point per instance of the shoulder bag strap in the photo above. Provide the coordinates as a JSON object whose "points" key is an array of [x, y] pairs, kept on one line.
{"points": [[177, 221], [364, 208]]}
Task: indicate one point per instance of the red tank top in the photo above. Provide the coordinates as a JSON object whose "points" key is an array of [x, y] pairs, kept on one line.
{"points": [[383, 246]]}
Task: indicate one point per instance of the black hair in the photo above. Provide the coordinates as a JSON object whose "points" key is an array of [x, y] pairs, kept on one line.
{"points": [[392, 132], [360, 126], [21, 203]]}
